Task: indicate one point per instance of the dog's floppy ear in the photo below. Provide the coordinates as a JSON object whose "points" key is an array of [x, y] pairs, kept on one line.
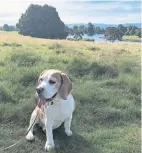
{"points": [[66, 86]]}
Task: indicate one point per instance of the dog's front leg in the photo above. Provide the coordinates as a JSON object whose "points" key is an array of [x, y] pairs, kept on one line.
{"points": [[67, 125], [34, 120], [49, 134]]}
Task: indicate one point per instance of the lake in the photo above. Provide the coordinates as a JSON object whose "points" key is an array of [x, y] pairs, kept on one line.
{"points": [[99, 38]]}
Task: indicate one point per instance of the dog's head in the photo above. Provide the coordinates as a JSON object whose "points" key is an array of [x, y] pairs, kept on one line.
{"points": [[53, 82]]}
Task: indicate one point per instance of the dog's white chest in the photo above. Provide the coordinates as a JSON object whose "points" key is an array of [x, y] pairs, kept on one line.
{"points": [[58, 113], [59, 117]]}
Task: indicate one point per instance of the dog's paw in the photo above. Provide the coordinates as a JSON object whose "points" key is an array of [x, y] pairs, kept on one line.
{"points": [[30, 136], [68, 133], [49, 147]]}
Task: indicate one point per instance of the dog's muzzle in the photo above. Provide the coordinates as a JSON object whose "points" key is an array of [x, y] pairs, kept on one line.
{"points": [[43, 101], [39, 90]]}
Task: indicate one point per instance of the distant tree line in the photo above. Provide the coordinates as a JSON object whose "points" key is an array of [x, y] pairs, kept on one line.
{"points": [[90, 30], [113, 33], [44, 22], [129, 30], [7, 27], [110, 33]]}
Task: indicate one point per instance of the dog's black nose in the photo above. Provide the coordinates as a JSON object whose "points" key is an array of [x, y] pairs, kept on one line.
{"points": [[39, 90]]}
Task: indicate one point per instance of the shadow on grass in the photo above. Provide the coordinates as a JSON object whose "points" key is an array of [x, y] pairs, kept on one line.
{"points": [[65, 144]]}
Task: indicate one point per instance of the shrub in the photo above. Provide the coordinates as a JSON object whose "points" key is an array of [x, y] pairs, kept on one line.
{"points": [[29, 78], [24, 59], [80, 67], [55, 46], [87, 39], [93, 48], [104, 70], [11, 44], [5, 95]]}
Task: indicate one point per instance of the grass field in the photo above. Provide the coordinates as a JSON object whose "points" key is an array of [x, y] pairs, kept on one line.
{"points": [[132, 38], [106, 87]]}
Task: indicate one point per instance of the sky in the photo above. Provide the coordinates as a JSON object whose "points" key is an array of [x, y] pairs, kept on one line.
{"points": [[81, 11]]}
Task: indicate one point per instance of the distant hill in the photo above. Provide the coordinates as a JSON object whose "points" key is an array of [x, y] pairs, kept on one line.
{"points": [[101, 25]]}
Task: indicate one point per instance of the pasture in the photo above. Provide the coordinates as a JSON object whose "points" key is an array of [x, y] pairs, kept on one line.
{"points": [[106, 88], [132, 38]]}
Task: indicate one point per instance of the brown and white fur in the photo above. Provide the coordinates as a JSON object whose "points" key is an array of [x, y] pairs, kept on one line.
{"points": [[50, 116]]}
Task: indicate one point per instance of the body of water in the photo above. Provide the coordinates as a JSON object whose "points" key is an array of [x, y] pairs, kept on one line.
{"points": [[99, 38]]}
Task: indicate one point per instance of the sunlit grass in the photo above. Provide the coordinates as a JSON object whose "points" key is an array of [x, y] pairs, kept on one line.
{"points": [[106, 87], [132, 38]]}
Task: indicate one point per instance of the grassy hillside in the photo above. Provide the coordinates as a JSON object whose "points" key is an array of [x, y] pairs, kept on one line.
{"points": [[106, 87]]}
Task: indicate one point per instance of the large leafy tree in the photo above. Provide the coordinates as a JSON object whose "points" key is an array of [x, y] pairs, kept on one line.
{"points": [[41, 21], [75, 28], [12, 28], [112, 34], [98, 30], [132, 32], [6, 27], [78, 35], [122, 29], [77, 32], [138, 32], [129, 28], [81, 28], [90, 29]]}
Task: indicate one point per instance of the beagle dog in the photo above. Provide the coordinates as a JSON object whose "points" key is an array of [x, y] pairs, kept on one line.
{"points": [[55, 106]]}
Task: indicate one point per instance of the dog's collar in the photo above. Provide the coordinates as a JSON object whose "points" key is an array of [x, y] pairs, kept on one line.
{"points": [[51, 99]]}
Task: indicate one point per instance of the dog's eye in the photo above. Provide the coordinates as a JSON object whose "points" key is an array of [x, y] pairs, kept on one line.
{"points": [[52, 82], [41, 79]]}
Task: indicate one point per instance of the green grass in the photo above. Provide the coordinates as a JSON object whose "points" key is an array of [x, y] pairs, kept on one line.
{"points": [[106, 88], [131, 38]]}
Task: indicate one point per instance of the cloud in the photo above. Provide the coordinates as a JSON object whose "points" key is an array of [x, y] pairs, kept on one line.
{"points": [[72, 11], [110, 19], [110, 12]]}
